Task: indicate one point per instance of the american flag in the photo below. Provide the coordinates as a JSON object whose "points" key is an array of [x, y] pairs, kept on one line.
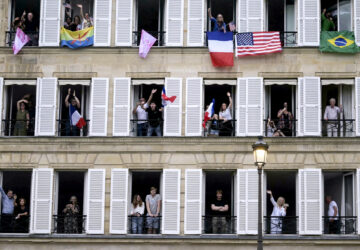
{"points": [[257, 43]]}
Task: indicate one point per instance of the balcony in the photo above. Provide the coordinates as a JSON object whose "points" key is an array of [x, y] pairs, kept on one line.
{"points": [[144, 225], [279, 129], [69, 224], [65, 129], [216, 128], [281, 225], [18, 127], [9, 224], [141, 128], [339, 225], [213, 224], [338, 128], [159, 35], [288, 38], [10, 38]]}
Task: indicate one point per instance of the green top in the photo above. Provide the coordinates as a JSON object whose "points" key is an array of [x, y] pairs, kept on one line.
{"points": [[326, 24], [21, 116]]}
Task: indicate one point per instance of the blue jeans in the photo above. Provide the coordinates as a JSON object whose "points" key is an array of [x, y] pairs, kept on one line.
{"points": [[141, 129], [137, 224], [151, 130], [71, 130]]}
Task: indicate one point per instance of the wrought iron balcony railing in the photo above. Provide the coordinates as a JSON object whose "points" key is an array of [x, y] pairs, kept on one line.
{"points": [[15, 127], [218, 224], [11, 224], [69, 224], [338, 127], [340, 225], [144, 225], [34, 38], [159, 35], [279, 128], [215, 128], [280, 224], [65, 129]]}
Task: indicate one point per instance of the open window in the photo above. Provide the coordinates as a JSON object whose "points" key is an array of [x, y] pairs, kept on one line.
{"points": [[141, 123], [19, 183], [69, 205], [223, 123], [338, 12], [19, 122], [81, 88], [278, 95], [339, 208], [75, 12], [227, 8], [141, 184], [219, 191], [31, 17], [281, 17], [282, 184], [340, 122], [150, 15]]}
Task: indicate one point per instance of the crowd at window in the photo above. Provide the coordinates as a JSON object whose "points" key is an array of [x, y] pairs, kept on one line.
{"points": [[75, 22]]}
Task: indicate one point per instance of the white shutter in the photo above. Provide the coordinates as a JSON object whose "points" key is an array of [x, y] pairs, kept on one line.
{"points": [[95, 202], [250, 15], [247, 201], [254, 112], [194, 106], [357, 22], [118, 202], [102, 22], [309, 22], [193, 201], [300, 22], [312, 106], [300, 107], [50, 23], [195, 24], [42, 188], [1, 104], [123, 32], [357, 106], [310, 201], [174, 22], [99, 106], [357, 192], [121, 107], [171, 201], [173, 111], [249, 111], [241, 107], [46, 106]]}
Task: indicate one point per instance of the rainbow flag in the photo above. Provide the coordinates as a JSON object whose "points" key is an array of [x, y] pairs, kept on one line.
{"points": [[77, 39]]}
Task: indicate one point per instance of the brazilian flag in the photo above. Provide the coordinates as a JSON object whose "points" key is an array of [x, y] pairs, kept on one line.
{"points": [[338, 42]]}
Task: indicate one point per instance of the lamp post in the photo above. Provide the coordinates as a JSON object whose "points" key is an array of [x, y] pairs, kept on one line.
{"points": [[260, 149]]}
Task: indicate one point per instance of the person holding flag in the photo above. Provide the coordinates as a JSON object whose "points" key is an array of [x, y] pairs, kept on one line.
{"points": [[75, 121]]}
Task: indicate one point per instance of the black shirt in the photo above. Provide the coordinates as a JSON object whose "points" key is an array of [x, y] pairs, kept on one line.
{"points": [[18, 210], [154, 116], [30, 26], [219, 203]]}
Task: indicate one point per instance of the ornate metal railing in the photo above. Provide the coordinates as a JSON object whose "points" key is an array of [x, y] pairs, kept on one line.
{"points": [[338, 127], [144, 225], [142, 127], [279, 128], [69, 224], [65, 129], [10, 38], [214, 224], [340, 225], [280, 224], [159, 35], [15, 127], [11, 224], [288, 38], [219, 128]]}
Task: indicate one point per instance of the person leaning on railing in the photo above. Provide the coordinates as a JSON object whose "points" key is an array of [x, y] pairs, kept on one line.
{"points": [[137, 212], [219, 210], [153, 207], [21, 217], [279, 211]]}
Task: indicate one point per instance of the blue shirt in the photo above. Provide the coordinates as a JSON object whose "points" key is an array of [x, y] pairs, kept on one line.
{"points": [[216, 26], [7, 203]]}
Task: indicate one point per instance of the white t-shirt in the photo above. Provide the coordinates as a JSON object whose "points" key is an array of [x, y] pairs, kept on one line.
{"points": [[225, 114], [138, 209], [331, 210], [141, 113]]}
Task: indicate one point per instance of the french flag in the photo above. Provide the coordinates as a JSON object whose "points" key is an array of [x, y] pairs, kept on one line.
{"points": [[209, 113], [165, 99], [76, 119], [221, 48]]}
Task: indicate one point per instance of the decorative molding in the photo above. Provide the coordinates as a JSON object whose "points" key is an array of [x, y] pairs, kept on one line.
{"points": [[337, 75], [220, 75], [147, 75], [280, 75]]}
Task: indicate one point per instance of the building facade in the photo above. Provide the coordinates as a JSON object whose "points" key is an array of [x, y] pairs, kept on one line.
{"points": [[105, 163]]}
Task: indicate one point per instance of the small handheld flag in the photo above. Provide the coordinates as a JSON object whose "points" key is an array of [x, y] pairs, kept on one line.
{"points": [[209, 112], [20, 40], [165, 99], [75, 118]]}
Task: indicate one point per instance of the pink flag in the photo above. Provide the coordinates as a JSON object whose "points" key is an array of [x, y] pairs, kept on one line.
{"points": [[20, 40], [146, 42]]}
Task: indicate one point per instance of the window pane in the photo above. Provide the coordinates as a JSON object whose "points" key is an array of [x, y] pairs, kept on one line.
{"points": [[345, 15]]}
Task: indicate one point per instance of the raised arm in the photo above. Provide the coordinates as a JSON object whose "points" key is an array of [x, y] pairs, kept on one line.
{"points": [[18, 103], [81, 11], [209, 12], [2, 192], [151, 96], [230, 100], [67, 98], [272, 198], [77, 100]]}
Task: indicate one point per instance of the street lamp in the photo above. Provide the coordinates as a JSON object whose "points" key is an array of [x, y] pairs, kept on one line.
{"points": [[260, 149]]}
